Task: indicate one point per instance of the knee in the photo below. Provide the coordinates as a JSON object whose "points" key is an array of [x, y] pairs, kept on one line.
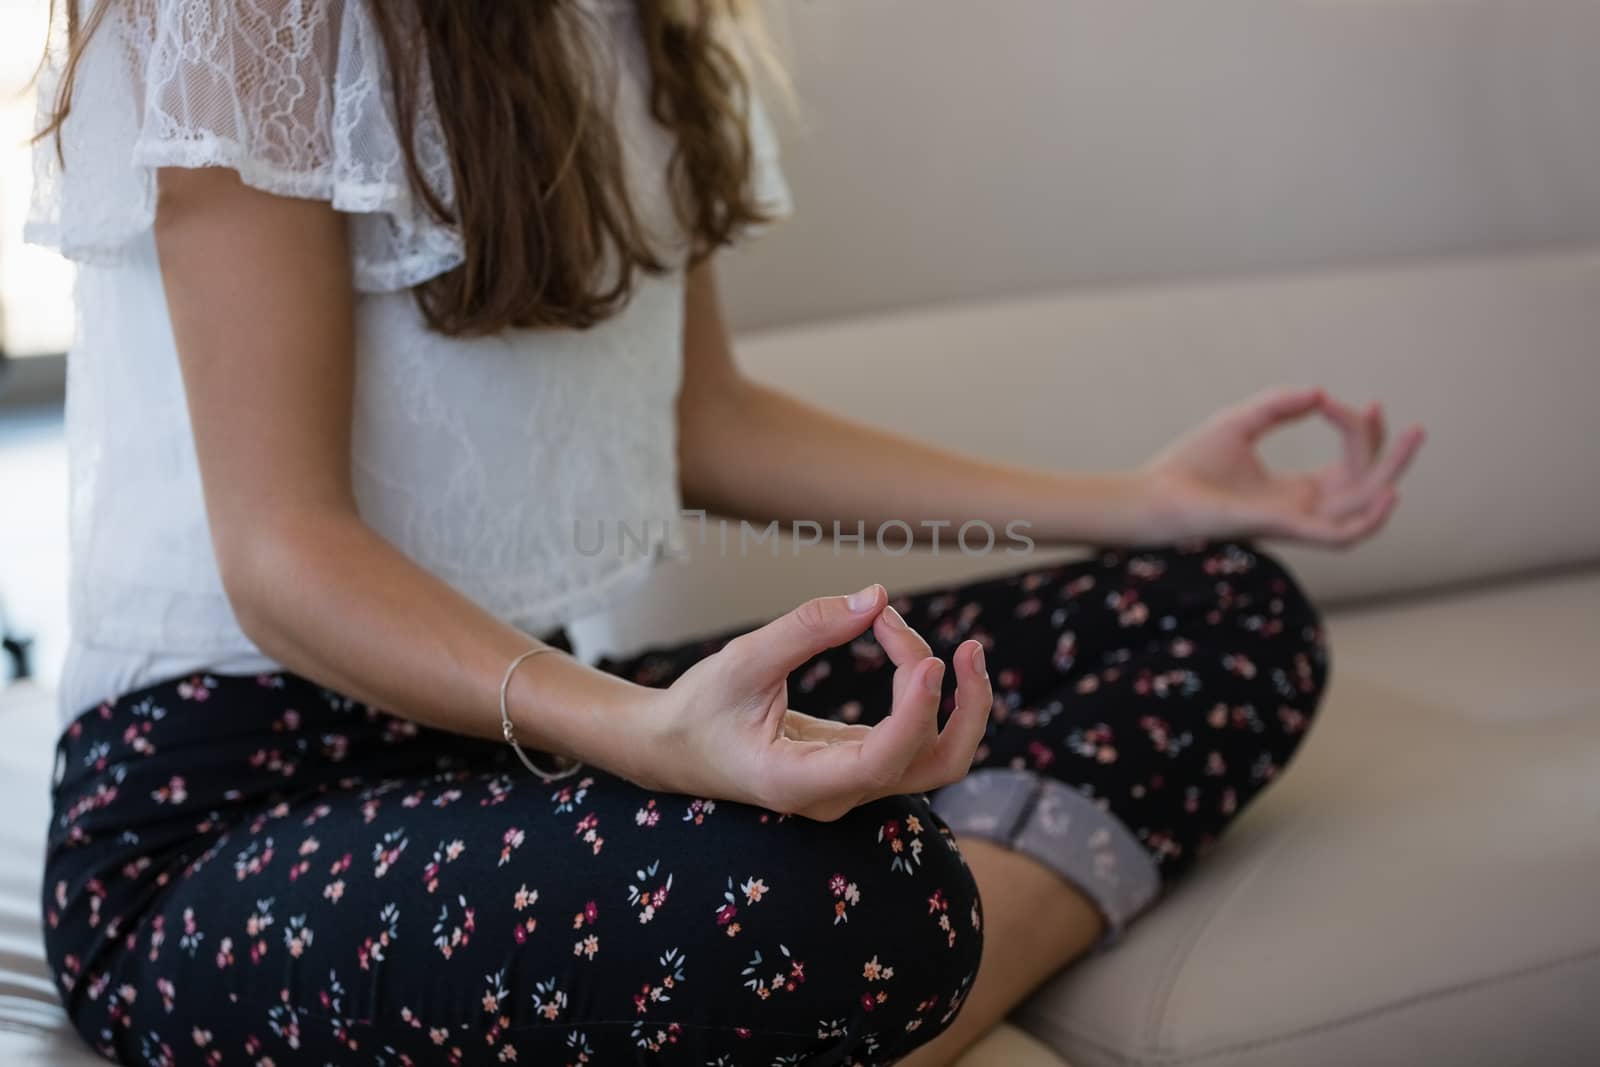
{"points": [[927, 922], [899, 933]]}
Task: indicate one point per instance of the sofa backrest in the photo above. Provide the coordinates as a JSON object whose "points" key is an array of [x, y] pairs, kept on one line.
{"points": [[958, 149], [1202, 199]]}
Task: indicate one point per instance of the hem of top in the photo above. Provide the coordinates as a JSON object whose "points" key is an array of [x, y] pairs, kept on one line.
{"points": [[561, 611]]}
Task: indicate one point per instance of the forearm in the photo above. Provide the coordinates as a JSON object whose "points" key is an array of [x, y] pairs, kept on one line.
{"points": [[332, 600], [755, 452]]}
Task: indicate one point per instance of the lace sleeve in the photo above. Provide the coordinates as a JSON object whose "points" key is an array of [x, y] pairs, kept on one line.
{"points": [[768, 183], [292, 94]]}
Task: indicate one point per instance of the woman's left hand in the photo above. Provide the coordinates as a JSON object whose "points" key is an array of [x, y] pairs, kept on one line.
{"points": [[1211, 482]]}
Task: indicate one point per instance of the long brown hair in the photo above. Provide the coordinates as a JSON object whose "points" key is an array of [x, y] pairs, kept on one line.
{"points": [[551, 234]]}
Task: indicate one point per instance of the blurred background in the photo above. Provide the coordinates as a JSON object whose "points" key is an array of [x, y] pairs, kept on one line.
{"points": [[35, 329]]}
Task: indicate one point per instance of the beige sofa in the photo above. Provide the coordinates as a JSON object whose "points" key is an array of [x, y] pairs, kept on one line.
{"points": [[1059, 231]]}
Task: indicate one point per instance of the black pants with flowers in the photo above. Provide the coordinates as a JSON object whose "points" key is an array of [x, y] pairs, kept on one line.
{"points": [[255, 870]]}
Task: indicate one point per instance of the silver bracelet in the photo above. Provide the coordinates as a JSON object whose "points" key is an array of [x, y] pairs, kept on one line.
{"points": [[572, 765]]}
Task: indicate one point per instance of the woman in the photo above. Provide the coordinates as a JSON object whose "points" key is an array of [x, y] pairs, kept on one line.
{"points": [[378, 302]]}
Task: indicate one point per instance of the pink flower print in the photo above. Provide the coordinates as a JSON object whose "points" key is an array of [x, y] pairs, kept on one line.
{"points": [[568, 797], [672, 961], [587, 916], [648, 815], [1216, 766], [158, 935], [866, 655], [1239, 664], [174, 792], [1095, 742], [449, 936], [1166, 683], [1217, 717], [1066, 653], [495, 994], [753, 889], [525, 898], [511, 841], [849, 711], [372, 949], [168, 993], [225, 954], [588, 831], [197, 688], [1293, 720], [814, 675], [873, 971], [1028, 607], [648, 901], [905, 848], [586, 947], [297, 936], [387, 852], [1131, 611], [446, 852], [729, 911], [1077, 587], [255, 929], [1162, 844], [190, 941], [253, 859], [1039, 754], [699, 809], [548, 1000], [846, 895]]}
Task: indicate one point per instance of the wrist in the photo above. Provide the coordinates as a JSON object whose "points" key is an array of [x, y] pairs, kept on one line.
{"points": [[1121, 508], [560, 705]]}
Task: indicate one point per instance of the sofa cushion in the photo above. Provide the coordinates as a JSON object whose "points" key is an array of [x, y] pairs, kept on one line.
{"points": [[1420, 887]]}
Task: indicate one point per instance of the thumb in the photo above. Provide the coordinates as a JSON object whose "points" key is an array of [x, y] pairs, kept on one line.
{"points": [[765, 655]]}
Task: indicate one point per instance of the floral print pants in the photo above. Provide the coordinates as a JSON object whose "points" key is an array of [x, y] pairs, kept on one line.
{"points": [[260, 871]]}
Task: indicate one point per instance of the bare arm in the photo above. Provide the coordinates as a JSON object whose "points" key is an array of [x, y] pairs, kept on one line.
{"points": [[751, 451], [262, 310]]}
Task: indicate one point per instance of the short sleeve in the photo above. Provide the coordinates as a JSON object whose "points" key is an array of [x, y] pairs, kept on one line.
{"points": [[768, 183], [293, 95]]}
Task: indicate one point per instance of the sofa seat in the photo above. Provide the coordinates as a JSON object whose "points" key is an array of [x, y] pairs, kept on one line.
{"points": [[1420, 887]]}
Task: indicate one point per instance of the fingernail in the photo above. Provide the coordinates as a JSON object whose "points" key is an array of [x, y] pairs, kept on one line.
{"points": [[894, 618], [977, 660], [934, 678], [863, 599]]}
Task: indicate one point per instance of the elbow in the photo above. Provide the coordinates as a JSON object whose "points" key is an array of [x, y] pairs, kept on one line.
{"points": [[263, 567], [240, 560]]}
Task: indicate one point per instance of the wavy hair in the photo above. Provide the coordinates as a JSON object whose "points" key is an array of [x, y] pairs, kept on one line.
{"points": [[551, 235]]}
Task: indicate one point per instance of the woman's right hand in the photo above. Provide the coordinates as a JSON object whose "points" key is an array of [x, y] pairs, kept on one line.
{"points": [[724, 729]]}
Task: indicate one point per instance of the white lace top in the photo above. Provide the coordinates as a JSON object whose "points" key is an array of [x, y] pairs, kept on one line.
{"points": [[505, 465]]}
